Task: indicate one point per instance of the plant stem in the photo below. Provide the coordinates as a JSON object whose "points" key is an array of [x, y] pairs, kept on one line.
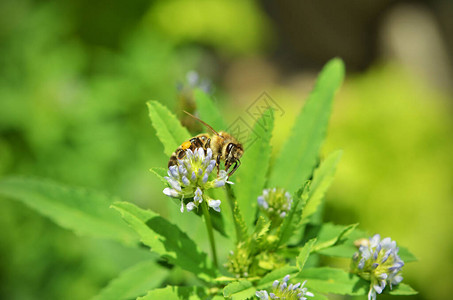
{"points": [[208, 223], [231, 197], [232, 202]]}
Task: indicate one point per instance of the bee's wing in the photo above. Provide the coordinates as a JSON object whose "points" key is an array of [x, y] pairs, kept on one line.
{"points": [[204, 123]]}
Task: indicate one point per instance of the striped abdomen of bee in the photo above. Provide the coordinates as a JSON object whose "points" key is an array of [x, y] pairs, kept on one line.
{"points": [[200, 141]]}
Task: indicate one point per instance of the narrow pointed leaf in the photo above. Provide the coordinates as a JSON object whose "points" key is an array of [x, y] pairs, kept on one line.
{"points": [[277, 274], [251, 176], [304, 253], [406, 255], [160, 173], [317, 296], [347, 249], [401, 289], [166, 239], [322, 178], [291, 222], [87, 213], [241, 228], [336, 281], [299, 155], [344, 233], [168, 128], [176, 293], [134, 282], [239, 290]]}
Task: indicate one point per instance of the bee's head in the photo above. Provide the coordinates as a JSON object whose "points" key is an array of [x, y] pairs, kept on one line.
{"points": [[234, 151]]}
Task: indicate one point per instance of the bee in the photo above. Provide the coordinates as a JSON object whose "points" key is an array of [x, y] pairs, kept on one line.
{"points": [[223, 145]]}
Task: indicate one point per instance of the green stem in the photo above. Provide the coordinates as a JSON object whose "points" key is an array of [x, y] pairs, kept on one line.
{"points": [[208, 223], [232, 203], [231, 197]]}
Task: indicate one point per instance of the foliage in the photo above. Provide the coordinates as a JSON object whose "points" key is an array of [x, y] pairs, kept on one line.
{"points": [[401, 163], [264, 249]]}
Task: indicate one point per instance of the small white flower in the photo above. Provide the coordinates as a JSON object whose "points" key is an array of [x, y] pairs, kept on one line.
{"points": [[214, 204], [263, 295], [190, 206], [170, 192]]}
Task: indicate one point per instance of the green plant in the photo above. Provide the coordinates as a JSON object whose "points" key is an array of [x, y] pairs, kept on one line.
{"points": [[268, 221]]}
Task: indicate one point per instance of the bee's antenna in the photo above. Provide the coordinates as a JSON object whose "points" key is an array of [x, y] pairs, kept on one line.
{"points": [[202, 122]]}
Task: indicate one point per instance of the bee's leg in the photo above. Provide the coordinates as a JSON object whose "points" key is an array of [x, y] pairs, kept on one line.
{"points": [[173, 161], [218, 164], [236, 165], [206, 146], [181, 154], [178, 154], [196, 142]]}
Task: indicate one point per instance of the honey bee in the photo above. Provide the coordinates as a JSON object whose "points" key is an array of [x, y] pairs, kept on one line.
{"points": [[223, 145]]}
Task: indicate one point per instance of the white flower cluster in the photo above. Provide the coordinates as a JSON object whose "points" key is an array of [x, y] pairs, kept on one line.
{"points": [[275, 202], [284, 291], [378, 262], [190, 179]]}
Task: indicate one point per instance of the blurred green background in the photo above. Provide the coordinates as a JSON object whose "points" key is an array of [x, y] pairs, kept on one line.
{"points": [[75, 77]]}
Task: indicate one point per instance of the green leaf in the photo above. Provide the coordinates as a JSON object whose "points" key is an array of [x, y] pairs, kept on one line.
{"points": [[241, 228], [336, 281], [277, 274], [261, 228], [134, 281], [85, 212], [251, 176], [258, 238], [176, 293], [340, 237], [322, 178], [209, 112], [401, 289], [292, 220], [317, 296], [239, 290], [168, 128], [347, 249], [160, 173], [166, 239], [299, 155], [304, 253], [406, 255]]}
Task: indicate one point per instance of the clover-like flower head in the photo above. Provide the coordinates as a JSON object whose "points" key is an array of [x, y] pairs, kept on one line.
{"points": [[378, 262], [281, 290], [190, 179], [275, 203]]}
